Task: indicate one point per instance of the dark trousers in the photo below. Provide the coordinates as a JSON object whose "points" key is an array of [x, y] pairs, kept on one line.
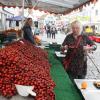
{"points": [[53, 35], [48, 35]]}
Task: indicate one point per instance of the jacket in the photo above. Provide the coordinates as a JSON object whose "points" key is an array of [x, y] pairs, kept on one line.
{"points": [[28, 34]]}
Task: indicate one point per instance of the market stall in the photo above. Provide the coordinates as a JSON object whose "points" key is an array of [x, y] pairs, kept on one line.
{"points": [[22, 63], [15, 21]]}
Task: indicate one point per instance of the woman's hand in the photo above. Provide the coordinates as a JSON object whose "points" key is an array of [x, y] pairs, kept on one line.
{"points": [[66, 47], [63, 48], [88, 48]]}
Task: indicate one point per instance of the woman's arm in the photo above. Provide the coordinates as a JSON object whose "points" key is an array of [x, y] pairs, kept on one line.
{"points": [[90, 44], [65, 43]]}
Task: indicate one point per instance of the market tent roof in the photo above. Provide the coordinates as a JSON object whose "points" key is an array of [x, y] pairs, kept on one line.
{"points": [[52, 6], [16, 18]]}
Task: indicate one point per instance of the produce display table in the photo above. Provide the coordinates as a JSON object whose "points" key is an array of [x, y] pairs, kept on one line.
{"points": [[91, 92], [65, 89], [22, 63]]}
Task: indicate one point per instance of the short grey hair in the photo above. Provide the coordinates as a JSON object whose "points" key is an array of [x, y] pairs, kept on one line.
{"points": [[76, 22]]}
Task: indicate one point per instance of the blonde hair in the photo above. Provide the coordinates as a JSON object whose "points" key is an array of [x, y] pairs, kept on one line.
{"points": [[76, 22]]}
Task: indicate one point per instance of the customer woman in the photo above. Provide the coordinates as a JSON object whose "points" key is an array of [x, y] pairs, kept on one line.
{"points": [[77, 46], [27, 31]]}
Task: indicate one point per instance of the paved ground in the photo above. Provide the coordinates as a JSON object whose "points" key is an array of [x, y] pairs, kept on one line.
{"points": [[94, 71], [59, 38]]}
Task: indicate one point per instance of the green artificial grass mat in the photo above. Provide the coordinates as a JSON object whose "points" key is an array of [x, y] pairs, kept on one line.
{"points": [[65, 89]]}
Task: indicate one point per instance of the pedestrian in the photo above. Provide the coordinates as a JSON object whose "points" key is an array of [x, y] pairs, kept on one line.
{"points": [[53, 32], [77, 46], [48, 31], [36, 31], [27, 31]]}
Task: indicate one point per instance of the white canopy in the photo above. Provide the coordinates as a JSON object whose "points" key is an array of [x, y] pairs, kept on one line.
{"points": [[52, 6]]}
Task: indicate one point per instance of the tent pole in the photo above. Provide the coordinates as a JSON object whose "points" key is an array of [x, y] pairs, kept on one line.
{"points": [[23, 12]]}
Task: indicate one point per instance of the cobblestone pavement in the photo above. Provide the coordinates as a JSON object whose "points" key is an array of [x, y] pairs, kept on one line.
{"points": [[59, 38], [93, 72]]}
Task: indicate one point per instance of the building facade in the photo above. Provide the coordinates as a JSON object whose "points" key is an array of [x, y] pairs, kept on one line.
{"points": [[4, 24]]}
